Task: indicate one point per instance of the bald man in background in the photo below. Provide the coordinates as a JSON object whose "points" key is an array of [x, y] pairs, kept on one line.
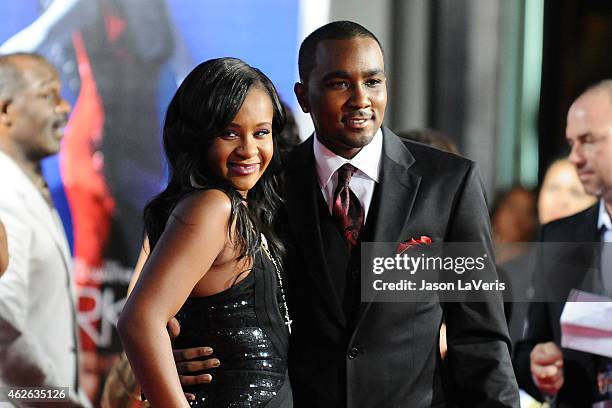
{"points": [[38, 328], [571, 378]]}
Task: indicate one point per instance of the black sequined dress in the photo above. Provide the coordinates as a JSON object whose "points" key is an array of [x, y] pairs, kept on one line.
{"points": [[244, 326]]}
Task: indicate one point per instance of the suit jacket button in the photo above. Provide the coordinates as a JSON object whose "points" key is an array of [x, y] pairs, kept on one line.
{"points": [[355, 274], [352, 353]]}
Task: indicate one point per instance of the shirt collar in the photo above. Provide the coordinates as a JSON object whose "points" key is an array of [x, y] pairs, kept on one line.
{"points": [[367, 160], [604, 218]]}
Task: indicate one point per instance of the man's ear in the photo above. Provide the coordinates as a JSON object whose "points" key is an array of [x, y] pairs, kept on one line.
{"points": [[4, 117], [300, 93]]}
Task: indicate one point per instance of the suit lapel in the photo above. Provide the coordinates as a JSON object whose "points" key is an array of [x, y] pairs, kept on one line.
{"points": [[587, 230], [585, 235], [579, 251], [303, 195], [45, 215], [48, 219], [397, 190], [393, 199]]}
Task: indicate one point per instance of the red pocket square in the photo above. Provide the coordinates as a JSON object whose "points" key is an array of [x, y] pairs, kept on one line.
{"points": [[403, 246]]}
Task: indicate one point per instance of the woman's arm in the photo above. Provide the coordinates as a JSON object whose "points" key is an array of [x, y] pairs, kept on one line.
{"points": [[142, 258], [195, 235], [188, 361]]}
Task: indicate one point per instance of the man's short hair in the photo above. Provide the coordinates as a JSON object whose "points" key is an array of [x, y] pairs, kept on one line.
{"points": [[604, 85], [336, 30], [11, 71]]}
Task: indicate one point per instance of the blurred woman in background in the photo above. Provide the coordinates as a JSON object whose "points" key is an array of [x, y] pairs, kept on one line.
{"points": [[562, 194]]}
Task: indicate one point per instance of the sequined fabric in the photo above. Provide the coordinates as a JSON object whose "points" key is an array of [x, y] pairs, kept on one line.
{"points": [[244, 327]]}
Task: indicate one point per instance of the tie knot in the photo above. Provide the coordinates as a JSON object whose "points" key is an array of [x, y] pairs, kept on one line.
{"points": [[345, 173]]}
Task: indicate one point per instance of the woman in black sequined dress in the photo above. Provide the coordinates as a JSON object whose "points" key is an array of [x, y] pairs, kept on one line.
{"points": [[210, 263]]}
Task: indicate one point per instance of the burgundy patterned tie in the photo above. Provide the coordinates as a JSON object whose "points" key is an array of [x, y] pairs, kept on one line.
{"points": [[347, 210]]}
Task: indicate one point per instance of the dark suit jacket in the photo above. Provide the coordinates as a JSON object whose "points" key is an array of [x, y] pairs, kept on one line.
{"points": [[562, 267], [388, 356]]}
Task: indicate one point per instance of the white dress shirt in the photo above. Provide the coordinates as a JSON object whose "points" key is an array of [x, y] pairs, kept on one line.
{"points": [[603, 220], [367, 162], [604, 224]]}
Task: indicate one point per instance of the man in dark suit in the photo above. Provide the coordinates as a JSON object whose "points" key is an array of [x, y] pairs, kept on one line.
{"points": [[345, 352], [355, 181], [569, 377]]}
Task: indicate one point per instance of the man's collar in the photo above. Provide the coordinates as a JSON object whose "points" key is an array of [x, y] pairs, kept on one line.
{"points": [[367, 160], [604, 218]]}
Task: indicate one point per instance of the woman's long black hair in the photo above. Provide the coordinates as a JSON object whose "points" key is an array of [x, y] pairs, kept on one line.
{"points": [[204, 105]]}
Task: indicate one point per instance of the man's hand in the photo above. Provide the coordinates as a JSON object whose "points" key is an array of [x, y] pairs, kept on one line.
{"points": [[443, 345], [546, 363], [184, 360]]}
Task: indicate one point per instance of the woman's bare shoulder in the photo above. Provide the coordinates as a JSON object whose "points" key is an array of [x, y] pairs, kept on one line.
{"points": [[201, 205]]}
